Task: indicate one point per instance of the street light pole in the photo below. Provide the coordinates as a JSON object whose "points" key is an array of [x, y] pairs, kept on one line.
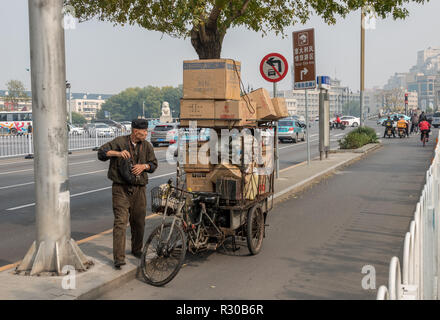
{"points": [[53, 249], [143, 109], [362, 65], [70, 106]]}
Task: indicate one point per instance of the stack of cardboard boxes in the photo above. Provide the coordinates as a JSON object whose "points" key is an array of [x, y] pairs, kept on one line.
{"points": [[211, 95]]}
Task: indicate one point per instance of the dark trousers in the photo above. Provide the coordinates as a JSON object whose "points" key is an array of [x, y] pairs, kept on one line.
{"points": [[129, 205], [392, 131]]}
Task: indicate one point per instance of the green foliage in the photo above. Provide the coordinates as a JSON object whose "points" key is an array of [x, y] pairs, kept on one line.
{"points": [[16, 92], [181, 18], [78, 119], [358, 138], [127, 105]]}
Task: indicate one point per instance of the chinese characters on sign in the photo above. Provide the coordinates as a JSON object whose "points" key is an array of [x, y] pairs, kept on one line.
{"points": [[304, 59]]}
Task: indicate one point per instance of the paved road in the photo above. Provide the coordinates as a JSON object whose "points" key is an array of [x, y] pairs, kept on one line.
{"points": [[91, 210], [319, 240]]}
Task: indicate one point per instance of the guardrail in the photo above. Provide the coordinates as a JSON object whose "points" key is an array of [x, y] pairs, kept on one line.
{"points": [[22, 145], [420, 272]]}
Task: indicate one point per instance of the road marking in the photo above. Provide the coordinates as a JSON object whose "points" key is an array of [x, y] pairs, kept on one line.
{"points": [[86, 192], [296, 144], [24, 170]]}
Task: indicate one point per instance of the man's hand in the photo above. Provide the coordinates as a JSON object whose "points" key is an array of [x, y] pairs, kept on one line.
{"points": [[138, 169], [124, 154]]}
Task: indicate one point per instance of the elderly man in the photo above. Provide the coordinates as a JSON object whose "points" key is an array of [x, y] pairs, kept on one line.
{"points": [[131, 158]]}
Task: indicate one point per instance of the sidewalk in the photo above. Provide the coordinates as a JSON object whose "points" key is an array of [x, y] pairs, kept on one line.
{"points": [[102, 277]]}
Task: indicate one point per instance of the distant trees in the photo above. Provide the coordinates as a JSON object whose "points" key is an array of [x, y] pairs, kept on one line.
{"points": [[351, 108], [78, 119], [16, 93], [127, 105]]}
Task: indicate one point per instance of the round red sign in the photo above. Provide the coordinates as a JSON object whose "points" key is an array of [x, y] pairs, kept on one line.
{"points": [[274, 67]]}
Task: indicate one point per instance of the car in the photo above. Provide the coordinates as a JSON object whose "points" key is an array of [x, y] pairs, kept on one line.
{"points": [[99, 130], [352, 121], [75, 130], [126, 125], [436, 119], [381, 121], [165, 133], [111, 123], [290, 130]]}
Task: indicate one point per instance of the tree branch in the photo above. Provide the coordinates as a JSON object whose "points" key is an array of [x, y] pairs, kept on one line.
{"points": [[238, 14], [213, 16]]}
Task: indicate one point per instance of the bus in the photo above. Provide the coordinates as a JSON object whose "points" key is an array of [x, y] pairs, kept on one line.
{"points": [[15, 122]]}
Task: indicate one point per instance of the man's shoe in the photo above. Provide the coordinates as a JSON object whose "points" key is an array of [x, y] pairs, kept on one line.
{"points": [[118, 264], [137, 254]]}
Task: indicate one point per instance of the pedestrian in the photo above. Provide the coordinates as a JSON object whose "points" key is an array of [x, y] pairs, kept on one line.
{"points": [[131, 159], [414, 122], [422, 117], [29, 128]]}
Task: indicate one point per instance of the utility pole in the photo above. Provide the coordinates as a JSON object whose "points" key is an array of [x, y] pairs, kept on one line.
{"points": [[53, 249], [362, 66], [143, 109]]}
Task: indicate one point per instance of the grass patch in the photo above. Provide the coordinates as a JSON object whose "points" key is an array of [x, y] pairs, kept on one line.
{"points": [[358, 138]]}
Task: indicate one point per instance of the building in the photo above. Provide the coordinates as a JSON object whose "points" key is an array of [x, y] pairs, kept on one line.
{"points": [[86, 106]]}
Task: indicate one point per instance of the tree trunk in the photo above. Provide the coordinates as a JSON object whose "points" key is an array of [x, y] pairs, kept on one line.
{"points": [[207, 42]]}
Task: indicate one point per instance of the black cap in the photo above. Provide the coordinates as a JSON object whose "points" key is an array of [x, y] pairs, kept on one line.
{"points": [[139, 124]]}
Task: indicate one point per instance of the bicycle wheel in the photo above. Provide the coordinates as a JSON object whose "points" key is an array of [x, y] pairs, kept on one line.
{"points": [[161, 260], [255, 229]]}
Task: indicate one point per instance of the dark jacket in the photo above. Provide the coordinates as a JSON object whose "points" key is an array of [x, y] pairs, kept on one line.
{"points": [[143, 154]]}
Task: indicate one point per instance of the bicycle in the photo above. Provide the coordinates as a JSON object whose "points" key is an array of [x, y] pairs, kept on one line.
{"points": [[192, 227], [424, 137]]}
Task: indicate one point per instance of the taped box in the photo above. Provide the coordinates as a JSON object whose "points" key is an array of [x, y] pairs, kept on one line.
{"points": [[261, 100], [197, 110], [198, 181], [198, 160], [211, 79], [280, 107], [240, 111]]}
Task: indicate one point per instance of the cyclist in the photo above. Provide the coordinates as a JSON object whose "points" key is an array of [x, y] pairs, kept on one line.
{"points": [[338, 121], [403, 124], [389, 124], [424, 129]]}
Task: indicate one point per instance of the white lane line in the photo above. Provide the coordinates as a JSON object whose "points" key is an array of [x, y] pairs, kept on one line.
{"points": [[28, 183], [341, 134], [32, 169], [86, 192], [297, 144]]}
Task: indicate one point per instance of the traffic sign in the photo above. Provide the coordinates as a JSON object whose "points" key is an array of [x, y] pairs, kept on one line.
{"points": [[274, 67], [304, 59]]}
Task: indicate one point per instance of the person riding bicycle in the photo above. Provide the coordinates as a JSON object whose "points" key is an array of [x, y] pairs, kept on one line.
{"points": [[402, 124], [338, 122], [425, 127], [389, 124]]}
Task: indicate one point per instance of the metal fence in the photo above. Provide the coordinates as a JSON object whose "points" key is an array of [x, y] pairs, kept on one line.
{"points": [[22, 145], [420, 273]]}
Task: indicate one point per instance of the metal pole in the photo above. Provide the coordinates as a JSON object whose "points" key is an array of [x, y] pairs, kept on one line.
{"points": [[70, 106], [277, 160], [361, 118], [143, 109], [53, 248], [307, 127]]}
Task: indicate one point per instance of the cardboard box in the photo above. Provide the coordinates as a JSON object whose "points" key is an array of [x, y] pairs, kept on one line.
{"points": [[203, 163], [260, 99], [211, 79], [280, 107], [224, 170], [234, 109], [198, 181], [195, 110]]}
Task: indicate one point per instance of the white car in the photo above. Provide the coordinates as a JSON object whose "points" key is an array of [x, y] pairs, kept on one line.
{"points": [[352, 121], [127, 125], [100, 130], [75, 130]]}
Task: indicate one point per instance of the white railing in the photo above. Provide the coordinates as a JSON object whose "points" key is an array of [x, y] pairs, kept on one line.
{"points": [[420, 272], [22, 145]]}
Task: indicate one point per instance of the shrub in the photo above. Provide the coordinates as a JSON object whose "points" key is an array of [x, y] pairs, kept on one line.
{"points": [[358, 138]]}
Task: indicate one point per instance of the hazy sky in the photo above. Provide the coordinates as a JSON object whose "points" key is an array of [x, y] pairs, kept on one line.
{"points": [[105, 59]]}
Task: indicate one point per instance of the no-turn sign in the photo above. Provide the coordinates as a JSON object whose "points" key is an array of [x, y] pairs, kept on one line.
{"points": [[274, 67]]}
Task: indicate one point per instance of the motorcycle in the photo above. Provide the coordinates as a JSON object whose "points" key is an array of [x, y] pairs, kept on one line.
{"points": [[402, 133], [334, 125], [389, 132]]}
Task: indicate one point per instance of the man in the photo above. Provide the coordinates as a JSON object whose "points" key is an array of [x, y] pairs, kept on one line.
{"points": [[425, 127], [389, 124], [414, 122], [403, 124], [338, 122], [128, 190]]}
